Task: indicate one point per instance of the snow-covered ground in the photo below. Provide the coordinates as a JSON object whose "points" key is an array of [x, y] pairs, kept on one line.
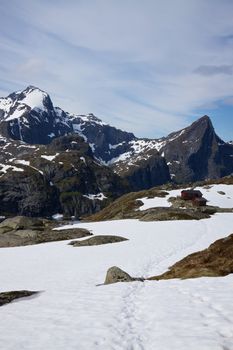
{"points": [[219, 199], [73, 313], [223, 199]]}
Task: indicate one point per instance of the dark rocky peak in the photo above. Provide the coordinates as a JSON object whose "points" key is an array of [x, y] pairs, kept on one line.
{"points": [[197, 153], [91, 118], [70, 142], [203, 129], [193, 132], [201, 125]]}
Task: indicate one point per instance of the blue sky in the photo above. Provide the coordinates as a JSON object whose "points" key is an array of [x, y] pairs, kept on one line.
{"points": [[150, 66]]}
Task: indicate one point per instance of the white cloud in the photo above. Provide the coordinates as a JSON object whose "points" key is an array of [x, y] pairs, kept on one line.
{"points": [[133, 63]]}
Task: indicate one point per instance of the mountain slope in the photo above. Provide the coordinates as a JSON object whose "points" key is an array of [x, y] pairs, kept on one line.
{"points": [[62, 177], [30, 116], [191, 154], [197, 153]]}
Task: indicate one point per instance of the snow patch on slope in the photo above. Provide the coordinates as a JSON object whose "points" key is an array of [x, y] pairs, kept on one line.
{"points": [[34, 99], [98, 196], [50, 158]]}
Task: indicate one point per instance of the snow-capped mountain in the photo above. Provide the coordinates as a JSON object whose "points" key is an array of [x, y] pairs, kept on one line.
{"points": [[191, 154], [30, 116]]}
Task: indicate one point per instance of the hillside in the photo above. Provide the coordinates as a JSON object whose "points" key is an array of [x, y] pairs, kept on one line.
{"points": [[157, 204]]}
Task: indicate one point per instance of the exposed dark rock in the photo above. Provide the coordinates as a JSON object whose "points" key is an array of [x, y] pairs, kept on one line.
{"points": [[98, 240], [8, 297], [221, 192], [197, 153], [115, 274], [164, 214], [217, 260], [22, 231], [108, 142], [57, 178], [27, 193], [145, 172], [192, 154]]}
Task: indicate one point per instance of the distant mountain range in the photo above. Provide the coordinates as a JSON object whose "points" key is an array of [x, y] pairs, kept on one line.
{"points": [[77, 163]]}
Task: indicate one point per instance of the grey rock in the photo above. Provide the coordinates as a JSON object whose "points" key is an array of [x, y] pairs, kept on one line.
{"points": [[145, 172], [22, 231], [98, 240], [115, 274], [8, 297], [22, 222]]}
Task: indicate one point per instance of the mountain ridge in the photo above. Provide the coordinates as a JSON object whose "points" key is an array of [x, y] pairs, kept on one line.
{"points": [[29, 123]]}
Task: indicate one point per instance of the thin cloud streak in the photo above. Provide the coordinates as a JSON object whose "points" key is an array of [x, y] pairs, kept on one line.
{"points": [[213, 70]]}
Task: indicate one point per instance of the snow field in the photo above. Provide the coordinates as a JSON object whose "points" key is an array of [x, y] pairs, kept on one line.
{"points": [[211, 194], [72, 313]]}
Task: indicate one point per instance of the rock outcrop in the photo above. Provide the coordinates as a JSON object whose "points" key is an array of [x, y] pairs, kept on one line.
{"points": [[144, 172], [127, 207], [217, 260], [22, 231], [8, 297], [98, 240], [115, 275]]}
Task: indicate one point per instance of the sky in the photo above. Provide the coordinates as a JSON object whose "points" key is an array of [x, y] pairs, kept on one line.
{"points": [[150, 67]]}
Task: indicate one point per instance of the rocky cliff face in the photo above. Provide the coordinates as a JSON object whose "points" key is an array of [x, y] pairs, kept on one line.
{"points": [[60, 178], [197, 153], [191, 154], [145, 171]]}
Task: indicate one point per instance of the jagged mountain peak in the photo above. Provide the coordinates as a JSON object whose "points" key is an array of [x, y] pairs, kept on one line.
{"points": [[204, 121], [34, 97], [29, 115], [195, 130]]}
